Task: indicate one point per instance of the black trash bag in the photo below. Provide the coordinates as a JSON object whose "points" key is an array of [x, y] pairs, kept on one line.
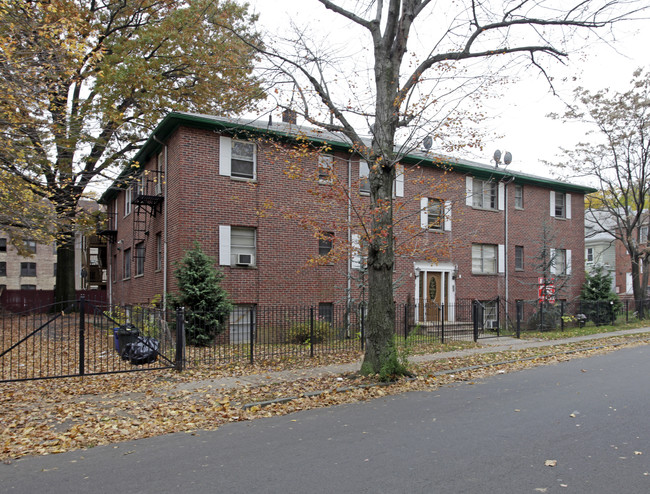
{"points": [[143, 351]]}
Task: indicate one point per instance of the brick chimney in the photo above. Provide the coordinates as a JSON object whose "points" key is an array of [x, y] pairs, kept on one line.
{"points": [[290, 116]]}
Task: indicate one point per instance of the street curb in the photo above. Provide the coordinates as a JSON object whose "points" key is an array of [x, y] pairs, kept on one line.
{"points": [[311, 394]]}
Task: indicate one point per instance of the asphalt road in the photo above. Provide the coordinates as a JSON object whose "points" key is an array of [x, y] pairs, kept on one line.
{"points": [[591, 416]]}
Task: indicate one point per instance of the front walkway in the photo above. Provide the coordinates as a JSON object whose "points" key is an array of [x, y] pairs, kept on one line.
{"points": [[488, 345]]}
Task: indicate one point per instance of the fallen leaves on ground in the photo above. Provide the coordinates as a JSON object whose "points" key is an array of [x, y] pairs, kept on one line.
{"points": [[52, 416]]}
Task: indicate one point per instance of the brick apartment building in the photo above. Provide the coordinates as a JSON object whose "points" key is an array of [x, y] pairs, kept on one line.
{"points": [[223, 183]]}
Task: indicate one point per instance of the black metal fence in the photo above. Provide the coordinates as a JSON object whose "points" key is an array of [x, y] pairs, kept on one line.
{"points": [[95, 338], [85, 339]]}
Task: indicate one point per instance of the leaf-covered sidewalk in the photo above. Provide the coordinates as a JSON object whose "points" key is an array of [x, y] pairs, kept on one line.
{"points": [[52, 416]]}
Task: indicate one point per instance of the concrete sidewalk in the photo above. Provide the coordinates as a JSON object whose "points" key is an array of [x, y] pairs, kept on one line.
{"points": [[487, 345]]}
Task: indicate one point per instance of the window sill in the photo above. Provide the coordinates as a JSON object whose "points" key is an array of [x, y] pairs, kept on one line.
{"points": [[486, 209], [322, 181], [244, 179], [138, 275], [484, 274]]}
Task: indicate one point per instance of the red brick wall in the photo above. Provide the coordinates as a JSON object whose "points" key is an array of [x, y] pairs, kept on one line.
{"points": [[199, 200]]}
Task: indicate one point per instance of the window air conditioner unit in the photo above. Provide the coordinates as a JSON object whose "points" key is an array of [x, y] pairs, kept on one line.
{"points": [[491, 324], [244, 260]]}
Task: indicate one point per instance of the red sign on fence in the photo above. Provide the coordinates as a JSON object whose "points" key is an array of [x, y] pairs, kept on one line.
{"points": [[546, 290]]}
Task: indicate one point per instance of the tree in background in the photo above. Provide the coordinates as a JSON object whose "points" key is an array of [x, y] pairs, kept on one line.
{"points": [[23, 214], [83, 82], [597, 288], [200, 292], [619, 160], [413, 64]]}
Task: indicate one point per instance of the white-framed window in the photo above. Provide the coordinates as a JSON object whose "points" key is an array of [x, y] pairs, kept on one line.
{"points": [[160, 168], [159, 251], [364, 182], [519, 257], [643, 235], [560, 204], [28, 269], [357, 251], [519, 196], [484, 259], [325, 243], [325, 165], [561, 262], [435, 214], [589, 255], [398, 184], [127, 200], [237, 159], [484, 194], [139, 259], [30, 246], [237, 246], [126, 263]]}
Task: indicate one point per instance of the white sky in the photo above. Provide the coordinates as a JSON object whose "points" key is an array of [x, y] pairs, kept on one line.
{"points": [[519, 115]]}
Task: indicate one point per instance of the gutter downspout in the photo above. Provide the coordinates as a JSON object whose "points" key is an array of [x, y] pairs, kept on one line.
{"points": [[165, 206]]}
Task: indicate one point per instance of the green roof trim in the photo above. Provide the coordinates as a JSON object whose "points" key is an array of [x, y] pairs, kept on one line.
{"points": [[283, 131]]}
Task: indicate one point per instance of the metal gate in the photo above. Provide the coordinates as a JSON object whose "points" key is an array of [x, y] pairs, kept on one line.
{"points": [[85, 338]]}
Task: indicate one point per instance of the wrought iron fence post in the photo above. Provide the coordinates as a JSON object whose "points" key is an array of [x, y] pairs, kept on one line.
{"points": [[519, 309], [597, 313], [442, 323], [180, 339], [406, 321], [82, 335], [363, 332], [251, 335], [475, 318], [627, 311], [311, 331], [498, 316], [562, 315], [541, 316], [611, 308]]}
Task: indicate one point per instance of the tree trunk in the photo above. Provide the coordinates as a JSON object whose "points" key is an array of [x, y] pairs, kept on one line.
{"points": [[637, 288], [65, 271], [381, 305]]}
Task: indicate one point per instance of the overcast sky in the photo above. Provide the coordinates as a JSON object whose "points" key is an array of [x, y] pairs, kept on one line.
{"points": [[520, 114]]}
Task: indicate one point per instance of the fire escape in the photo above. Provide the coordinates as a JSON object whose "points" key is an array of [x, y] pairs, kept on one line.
{"points": [[147, 199]]}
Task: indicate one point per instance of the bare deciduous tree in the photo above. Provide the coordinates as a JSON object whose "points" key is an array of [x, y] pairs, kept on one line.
{"points": [[619, 160], [405, 91]]}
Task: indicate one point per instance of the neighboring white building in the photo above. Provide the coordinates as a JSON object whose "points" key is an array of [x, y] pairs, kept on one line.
{"points": [[601, 248]]}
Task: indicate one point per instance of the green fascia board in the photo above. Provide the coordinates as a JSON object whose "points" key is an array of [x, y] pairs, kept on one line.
{"points": [[286, 132]]}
